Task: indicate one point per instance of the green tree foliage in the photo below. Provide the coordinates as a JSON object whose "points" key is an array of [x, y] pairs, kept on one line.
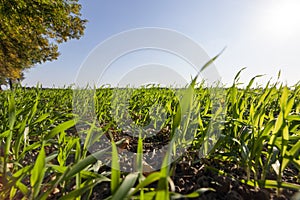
{"points": [[30, 31]]}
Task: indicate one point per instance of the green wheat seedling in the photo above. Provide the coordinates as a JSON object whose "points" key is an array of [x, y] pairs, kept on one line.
{"points": [[43, 155]]}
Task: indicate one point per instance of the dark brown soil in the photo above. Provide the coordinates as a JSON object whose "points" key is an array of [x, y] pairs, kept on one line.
{"points": [[191, 173], [189, 177]]}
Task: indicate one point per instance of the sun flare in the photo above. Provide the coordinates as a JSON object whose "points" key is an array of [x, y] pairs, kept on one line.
{"points": [[282, 18]]}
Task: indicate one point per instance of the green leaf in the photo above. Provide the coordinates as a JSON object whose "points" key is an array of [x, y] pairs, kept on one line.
{"points": [[139, 155], [21, 172], [11, 111], [125, 187], [251, 82], [285, 139], [38, 171], [5, 134], [295, 148], [272, 184], [236, 78], [82, 164], [61, 127], [42, 118], [268, 127], [46, 194], [22, 187], [291, 118], [115, 168], [279, 122], [289, 107], [284, 98], [84, 187], [163, 183], [153, 177], [210, 61]]}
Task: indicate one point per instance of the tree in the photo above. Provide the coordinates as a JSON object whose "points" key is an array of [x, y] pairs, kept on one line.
{"points": [[10, 76], [30, 31]]}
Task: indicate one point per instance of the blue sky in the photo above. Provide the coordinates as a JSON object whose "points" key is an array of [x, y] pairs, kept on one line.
{"points": [[260, 35]]}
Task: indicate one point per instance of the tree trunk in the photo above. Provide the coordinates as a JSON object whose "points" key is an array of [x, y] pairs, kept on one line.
{"points": [[10, 84]]}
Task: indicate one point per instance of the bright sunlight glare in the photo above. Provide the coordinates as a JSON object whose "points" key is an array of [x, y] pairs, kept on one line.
{"points": [[281, 18]]}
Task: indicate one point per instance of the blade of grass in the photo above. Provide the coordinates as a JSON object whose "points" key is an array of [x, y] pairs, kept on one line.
{"points": [[37, 172], [115, 168], [125, 187], [61, 127], [153, 177], [11, 123]]}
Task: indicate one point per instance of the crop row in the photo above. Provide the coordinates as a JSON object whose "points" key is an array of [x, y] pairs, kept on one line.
{"points": [[56, 142]]}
